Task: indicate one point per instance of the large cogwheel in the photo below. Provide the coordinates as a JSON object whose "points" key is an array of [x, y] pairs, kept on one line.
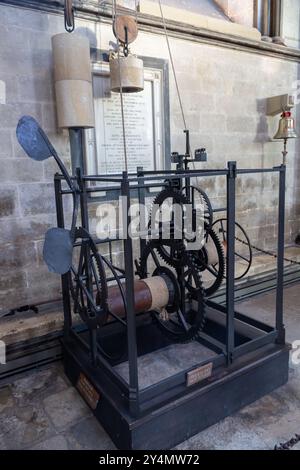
{"points": [[172, 243], [199, 198], [184, 318]]}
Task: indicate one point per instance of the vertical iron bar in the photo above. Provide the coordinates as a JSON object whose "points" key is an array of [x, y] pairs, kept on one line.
{"points": [[76, 144], [142, 203], [110, 251], [131, 317], [280, 260], [65, 277], [88, 261], [256, 15], [276, 9], [231, 182], [265, 19]]}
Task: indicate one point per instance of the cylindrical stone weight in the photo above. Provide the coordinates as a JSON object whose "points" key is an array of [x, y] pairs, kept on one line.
{"points": [[74, 102], [71, 57]]}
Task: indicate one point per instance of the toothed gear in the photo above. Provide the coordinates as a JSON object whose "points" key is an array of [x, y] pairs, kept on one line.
{"points": [[187, 314], [176, 245], [171, 250], [218, 269], [174, 256], [208, 210]]}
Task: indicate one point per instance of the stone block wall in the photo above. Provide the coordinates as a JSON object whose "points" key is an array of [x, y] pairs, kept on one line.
{"points": [[224, 94], [291, 22]]}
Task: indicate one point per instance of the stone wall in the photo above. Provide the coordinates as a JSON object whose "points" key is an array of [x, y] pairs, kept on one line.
{"points": [[223, 92], [205, 7], [291, 22]]}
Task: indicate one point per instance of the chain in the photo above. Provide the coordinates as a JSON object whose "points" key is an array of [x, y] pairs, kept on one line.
{"points": [[289, 444], [266, 252]]}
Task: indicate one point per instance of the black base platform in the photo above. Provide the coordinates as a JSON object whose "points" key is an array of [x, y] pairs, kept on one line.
{"points": [[163, 427]]}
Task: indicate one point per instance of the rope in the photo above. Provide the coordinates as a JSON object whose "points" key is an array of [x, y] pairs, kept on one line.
{"points": [[185, 126], [121, 91], [176, 82], [173, 66]]}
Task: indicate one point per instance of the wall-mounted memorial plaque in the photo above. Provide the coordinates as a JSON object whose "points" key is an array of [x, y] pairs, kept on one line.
{"points": [[146, 116], [139, 126]]}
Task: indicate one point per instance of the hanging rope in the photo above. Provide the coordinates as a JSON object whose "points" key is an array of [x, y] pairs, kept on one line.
{"points": [[173, 66], [121, 91]]}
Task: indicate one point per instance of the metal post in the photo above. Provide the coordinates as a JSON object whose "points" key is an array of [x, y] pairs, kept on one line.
{"points": [[89, 282], [231, 181], [76, 145], [65, 277], [131, 317], [265, 18], [280, 260], [142, 202], [276, 15], [276, 18], [256, 15]]}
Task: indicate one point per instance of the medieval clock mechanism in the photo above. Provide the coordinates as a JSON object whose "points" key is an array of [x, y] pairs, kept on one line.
{"points": [[158, 301]]}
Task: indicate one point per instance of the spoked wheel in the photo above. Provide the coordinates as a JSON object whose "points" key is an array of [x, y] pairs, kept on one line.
{"points": [[89, 290], [243, 250], [211, 262], [88, 281], [184, 319]]}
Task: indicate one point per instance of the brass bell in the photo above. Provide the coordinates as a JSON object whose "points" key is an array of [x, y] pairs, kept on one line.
{"points": [[286, 128]]}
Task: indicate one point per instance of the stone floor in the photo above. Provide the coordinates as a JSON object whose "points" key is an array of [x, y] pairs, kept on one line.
{"points": [[40, 410]]}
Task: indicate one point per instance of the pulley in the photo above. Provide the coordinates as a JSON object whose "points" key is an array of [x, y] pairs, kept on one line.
{"points": [[286, 129], [126, 70]]}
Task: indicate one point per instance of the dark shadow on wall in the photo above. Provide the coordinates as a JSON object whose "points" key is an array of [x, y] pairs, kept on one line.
{"points": [[262, 130], [262, 137]]}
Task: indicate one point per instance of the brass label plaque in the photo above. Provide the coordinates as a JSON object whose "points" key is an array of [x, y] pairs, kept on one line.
{"points": [[197, 375], [88, 392]]}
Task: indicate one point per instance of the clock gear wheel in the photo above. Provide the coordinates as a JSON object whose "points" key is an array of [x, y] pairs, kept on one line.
{"points": [[186, 313]]}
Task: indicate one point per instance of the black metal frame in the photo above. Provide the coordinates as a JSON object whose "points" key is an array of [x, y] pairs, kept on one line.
{"points": [[255, 334]]}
